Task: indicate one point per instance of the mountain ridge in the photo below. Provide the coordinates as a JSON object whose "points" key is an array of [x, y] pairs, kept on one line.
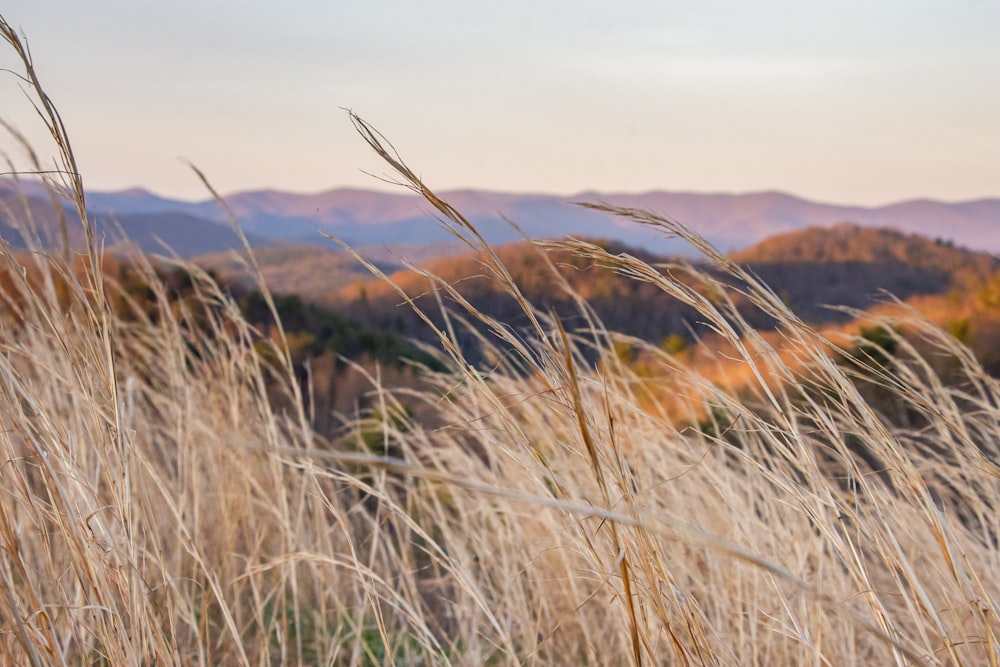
{"points": [[731, 221]]}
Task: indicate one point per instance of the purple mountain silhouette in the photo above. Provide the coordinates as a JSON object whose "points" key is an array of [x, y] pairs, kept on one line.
{"points": [[369, 217]]}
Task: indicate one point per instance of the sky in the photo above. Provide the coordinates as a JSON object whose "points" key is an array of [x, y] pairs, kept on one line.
{"points": [[850, 102]]}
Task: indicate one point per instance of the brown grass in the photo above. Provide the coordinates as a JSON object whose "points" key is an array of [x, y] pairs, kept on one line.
{"points": [[157, 508]]}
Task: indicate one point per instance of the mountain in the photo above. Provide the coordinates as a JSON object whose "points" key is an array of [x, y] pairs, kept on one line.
{"points": [[163, 229], [373, 218], [731, 221], [845, 265], [36, 216], [848, 265]]}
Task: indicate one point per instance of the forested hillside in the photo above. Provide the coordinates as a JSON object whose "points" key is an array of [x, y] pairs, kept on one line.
{"points": [[846, 265]]}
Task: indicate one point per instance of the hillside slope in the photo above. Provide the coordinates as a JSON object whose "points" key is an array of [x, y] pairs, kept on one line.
{"points": [[845, 266], [849, 265]]}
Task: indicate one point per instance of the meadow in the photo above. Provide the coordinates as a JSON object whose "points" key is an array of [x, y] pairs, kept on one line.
{"points": [[166, 498]]}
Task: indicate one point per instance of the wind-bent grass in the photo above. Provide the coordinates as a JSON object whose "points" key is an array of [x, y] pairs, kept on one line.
{"points": [[158, 508]]}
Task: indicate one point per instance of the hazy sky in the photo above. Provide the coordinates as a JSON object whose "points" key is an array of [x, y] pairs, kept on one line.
{"points": [[851, 101]]}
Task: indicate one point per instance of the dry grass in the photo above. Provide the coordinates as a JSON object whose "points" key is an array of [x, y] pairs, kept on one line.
{"points": [[157, 508]]}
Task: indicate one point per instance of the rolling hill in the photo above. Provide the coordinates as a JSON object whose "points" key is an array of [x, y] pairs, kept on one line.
{"points": [[849, 265], [845, 265]]}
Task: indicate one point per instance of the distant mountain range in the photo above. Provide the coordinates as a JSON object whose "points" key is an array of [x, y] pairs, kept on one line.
{"points": [[367, 218]]}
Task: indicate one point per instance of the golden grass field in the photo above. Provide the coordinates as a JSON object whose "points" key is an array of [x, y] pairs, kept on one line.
{"points": [[166, 501]]}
